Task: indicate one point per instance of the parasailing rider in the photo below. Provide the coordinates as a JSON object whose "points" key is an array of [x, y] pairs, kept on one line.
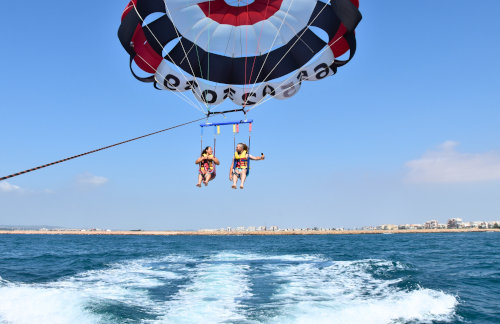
{"points": [[207, 162], [240, 166]]}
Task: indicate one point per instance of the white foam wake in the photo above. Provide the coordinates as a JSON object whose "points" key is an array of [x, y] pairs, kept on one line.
{"points": [[346, 292], [213, 295], [28, 304], [72, 299], [301, 289]]}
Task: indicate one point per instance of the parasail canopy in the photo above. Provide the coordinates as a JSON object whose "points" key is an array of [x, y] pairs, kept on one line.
{"points": [[243, 50]]}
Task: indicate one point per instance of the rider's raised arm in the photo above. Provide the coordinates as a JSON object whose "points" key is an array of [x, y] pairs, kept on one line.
{"points": [[261, 157]]}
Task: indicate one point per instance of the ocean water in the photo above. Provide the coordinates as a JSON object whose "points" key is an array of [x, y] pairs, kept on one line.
{"points": [[402, 278]]}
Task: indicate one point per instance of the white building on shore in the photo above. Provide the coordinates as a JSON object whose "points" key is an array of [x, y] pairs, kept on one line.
{"points": [[494, 224], [455, 223], [387, 227], [432, 224]]}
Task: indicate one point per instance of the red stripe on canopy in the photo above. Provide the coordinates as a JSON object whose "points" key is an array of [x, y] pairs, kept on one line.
{"points": [[338, 44], [221, 12], [147, 59], [129, 7]]}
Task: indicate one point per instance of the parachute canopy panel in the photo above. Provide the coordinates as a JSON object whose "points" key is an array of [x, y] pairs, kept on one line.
{"points": [[242, 50]]}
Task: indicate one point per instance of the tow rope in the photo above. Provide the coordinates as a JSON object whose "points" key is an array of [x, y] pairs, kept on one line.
{"points": [[99, 149]]}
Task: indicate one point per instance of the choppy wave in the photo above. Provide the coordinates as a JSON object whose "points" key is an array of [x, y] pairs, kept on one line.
{"points": [[229, 287], [347, 292], [213, 295]]}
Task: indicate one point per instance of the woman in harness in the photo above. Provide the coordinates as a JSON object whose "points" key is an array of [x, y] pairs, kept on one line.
{"points": [[207, 162], [239, 168]]}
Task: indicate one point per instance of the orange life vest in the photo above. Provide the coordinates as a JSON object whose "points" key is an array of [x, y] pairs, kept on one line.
{"points": [[241, 160], [207, 165]]}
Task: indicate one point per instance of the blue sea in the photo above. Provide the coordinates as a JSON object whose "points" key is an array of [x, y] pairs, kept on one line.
{"points": [[400, 278]]}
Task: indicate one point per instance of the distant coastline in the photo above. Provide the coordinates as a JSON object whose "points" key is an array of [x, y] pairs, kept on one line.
{"points": [[237, 233]]}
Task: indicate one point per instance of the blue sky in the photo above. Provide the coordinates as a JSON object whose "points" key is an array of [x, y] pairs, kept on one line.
{"points": [[406, 132]]}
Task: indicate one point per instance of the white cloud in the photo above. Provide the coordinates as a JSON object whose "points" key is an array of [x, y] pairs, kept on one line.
{"points": [[446, 165], [90, 179], [7, 187]]}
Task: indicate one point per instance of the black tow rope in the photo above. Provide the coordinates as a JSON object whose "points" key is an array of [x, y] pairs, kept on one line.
{"points": [[97, 150]]}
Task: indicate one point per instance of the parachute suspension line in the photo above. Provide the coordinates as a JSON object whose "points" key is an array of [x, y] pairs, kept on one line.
{"points": [[201, 142], [299, 38], [264, 100], [163, 47], [183, 49], [258, 47], [225, 52], [217, 83], [241, 51], [177, 93], [215, 138], [249, 138], [305, 29], [246, 58], [272, 44], [293, 45], [234, 138], [208, 48], [128, 6], [199, 63], [99, 149], [178, 68]]}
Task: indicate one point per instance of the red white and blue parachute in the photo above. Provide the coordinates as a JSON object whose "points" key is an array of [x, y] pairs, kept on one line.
{"points": [[243, 50]]}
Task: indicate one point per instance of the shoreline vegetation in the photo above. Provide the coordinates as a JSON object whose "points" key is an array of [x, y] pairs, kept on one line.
{"points": [[239, 233]]}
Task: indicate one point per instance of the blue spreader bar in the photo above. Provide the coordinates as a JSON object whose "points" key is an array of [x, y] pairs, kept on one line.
{"points": [[227, 123]]}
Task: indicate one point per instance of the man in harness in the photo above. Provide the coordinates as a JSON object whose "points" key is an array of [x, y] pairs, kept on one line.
{"points": [[240, 166], [207, 162]]}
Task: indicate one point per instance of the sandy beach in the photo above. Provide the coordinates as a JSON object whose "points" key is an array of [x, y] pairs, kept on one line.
{"points": [[221, 233]]}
